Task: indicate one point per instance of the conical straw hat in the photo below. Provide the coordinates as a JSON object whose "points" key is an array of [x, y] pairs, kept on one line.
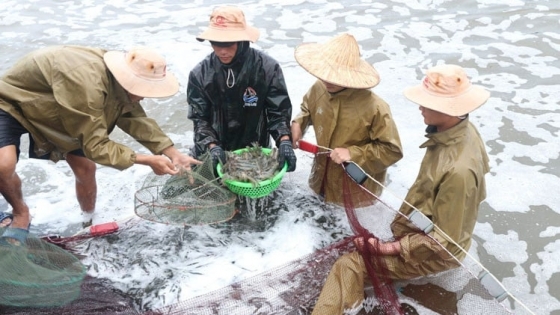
{"points": [[337, 62]]}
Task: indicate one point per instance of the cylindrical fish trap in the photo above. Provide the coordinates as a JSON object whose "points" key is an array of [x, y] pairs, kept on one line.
{"points": [[191, 198]]}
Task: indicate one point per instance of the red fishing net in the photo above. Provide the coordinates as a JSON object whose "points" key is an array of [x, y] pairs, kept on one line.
{"points": [[375, 264]]}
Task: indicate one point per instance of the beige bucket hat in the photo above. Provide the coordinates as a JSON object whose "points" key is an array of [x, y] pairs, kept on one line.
{"points": [[447, 89], [337, 62], [142, 72], [227, 24]]}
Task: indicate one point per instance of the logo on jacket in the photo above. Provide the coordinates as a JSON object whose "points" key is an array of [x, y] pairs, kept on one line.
{"points": [[250, 97]]}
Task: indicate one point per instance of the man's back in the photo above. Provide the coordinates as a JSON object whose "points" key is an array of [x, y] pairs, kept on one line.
{"points": [[36, 72]]}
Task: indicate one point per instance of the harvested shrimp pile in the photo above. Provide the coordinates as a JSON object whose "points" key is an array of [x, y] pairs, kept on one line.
{"points": [[253, 165]]}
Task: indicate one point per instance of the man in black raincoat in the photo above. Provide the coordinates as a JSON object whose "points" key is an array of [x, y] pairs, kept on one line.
{"points": [[237, 95]]}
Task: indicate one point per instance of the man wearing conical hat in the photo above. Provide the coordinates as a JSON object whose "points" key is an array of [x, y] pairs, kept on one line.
{"points": [[237, 95], [69, 99], [446, 194], [347, 117]]}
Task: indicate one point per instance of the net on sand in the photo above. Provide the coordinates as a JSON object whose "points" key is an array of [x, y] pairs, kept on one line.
{"points": [[38, 274], [292, 289], [189, 198]]}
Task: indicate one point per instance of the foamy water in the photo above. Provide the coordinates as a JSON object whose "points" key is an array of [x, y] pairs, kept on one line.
{"points": [[510, 47]]}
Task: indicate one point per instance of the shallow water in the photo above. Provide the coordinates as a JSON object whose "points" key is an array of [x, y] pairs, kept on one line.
{"points": [[510, 47]]}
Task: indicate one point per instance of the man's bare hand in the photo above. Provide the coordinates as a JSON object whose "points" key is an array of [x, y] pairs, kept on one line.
{"points": [[372, 243], [359, 242], [182, 162], [162, 165], [340, 155], [296, 134]]}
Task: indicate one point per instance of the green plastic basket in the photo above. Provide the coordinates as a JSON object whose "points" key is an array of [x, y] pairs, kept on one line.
{"points": [[264, 187]]}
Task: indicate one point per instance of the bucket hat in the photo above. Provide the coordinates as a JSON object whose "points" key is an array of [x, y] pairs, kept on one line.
{"points": [[337, 62], [447, 89], [227, 24], [142, 72]]}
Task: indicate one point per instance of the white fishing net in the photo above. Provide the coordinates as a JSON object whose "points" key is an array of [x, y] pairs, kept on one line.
{"points": [[189, 198]]}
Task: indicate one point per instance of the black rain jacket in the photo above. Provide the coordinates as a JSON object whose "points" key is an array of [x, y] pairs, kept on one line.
{"points": [[253, 108]]}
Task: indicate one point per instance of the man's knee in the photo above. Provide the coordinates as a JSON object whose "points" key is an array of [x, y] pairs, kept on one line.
{"points": [[83, 168], [348, 266], [8, 161], [89, 168]]}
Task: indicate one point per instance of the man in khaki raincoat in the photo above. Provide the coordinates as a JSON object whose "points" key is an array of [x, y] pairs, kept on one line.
{"points": [[346, 116], [69, 99], [448, 191]]}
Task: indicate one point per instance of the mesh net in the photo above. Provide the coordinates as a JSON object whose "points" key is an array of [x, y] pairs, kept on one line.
{"points": [[190, 198], [289, 289], [97, 297], [375, 265], [293, 288], [38, 274], [463, 289]]}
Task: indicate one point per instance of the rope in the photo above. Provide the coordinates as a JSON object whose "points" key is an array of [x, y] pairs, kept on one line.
{"points": [[231, 76]]}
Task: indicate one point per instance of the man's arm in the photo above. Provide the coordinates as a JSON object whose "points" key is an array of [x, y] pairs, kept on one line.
{"points": [[279, 107], [171, 162], [453, 211], [302, 120], [385, 148], [144, 129], [180, 160], [166, 159], [200, 112]]}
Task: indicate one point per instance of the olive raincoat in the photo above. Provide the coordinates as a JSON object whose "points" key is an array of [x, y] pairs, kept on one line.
{"points": [[239, 103], [449, 189], [67, 99], [355, 119]]}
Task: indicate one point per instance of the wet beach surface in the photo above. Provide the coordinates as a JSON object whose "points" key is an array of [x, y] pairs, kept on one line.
{"points": [[509, 47]]}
